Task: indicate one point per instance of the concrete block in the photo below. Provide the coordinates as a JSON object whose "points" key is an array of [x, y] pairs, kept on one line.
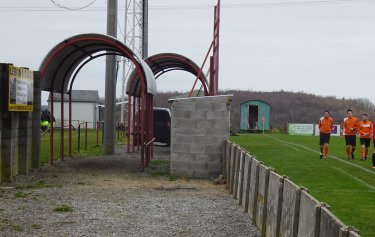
{"points": [[191, 140], [198, 114], [197, 148], [184, 131], [204, 107], [181, 114], [246, 181], [220, 107], [183, 123], [290, 209], [309, 216], [179, 147], [274, 201], [198, 166], [228, 146], [219, 139], [236, 171], [220, 124], [241, 177], [261, 210], [184, 105], [179, 165], [218, 132], [204, 124], [203, 157], [215, 167], [196, 134], [330, 225], [182, 157], [253, 190], [215, 148], [24, 149], [232, 167], [222, 115]]}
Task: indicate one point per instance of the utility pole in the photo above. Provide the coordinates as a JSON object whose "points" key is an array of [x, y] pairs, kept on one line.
{"points": [[145, 30], [110, 83]]}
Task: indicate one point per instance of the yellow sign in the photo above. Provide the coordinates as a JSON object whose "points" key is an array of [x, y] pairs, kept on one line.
{"points": [[21, 89]]}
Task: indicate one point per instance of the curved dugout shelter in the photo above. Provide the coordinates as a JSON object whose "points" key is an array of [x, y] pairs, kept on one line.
{"points": [[255, 115], [166, 62], [62, 64]]}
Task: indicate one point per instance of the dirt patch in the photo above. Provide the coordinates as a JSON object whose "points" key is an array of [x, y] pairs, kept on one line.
{"points": [[110, 196]]}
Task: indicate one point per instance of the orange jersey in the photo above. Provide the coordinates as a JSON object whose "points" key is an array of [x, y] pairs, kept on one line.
{"points": [[365, 129], [350, 126], [325, 124]]}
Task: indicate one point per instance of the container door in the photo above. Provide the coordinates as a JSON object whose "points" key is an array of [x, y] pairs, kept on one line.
{"points": [[253, 117]]}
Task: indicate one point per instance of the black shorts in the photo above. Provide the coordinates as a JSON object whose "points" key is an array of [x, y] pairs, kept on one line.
{"points": [[324, 138], [350, 140], [365, 141]]}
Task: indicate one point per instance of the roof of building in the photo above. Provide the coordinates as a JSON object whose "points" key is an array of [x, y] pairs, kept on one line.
{"points": [[78, 96]]}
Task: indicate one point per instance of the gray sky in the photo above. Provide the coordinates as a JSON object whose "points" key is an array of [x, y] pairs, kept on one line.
{"points": [[324, 47]]}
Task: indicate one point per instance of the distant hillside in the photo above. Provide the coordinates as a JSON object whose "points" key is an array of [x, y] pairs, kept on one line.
{"points": [[288, 106]]}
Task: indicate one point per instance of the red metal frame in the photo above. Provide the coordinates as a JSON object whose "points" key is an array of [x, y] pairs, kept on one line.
{"points": [[214, 59], [51, 131], [142, 125], [62, 127], [122, 51], [70, 124]]}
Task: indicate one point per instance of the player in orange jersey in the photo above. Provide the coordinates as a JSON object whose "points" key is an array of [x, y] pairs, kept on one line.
{"points": [[349, 128], [365, 128], [325, 128]]}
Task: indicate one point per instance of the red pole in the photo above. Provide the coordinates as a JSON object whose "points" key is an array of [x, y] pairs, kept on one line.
{"points": [[128, 128], [135, 124], [51, 131], [70, 124], [85, 135], [216, 47], [212, 76], [97, 133], [152, 125], [139, 123], [201, 69], [62, 126]]}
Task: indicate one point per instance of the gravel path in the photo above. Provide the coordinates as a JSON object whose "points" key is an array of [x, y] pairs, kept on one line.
{"points": [[109, 196]]}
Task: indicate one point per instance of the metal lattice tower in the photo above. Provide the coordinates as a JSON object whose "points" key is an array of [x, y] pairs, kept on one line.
{"points": [[133, 38]]}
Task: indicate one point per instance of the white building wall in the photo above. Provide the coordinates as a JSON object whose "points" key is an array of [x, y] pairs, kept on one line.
{"points": [[81, 112]]}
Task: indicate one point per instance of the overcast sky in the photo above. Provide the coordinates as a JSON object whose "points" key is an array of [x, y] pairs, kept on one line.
{"points": [[323, 47]]}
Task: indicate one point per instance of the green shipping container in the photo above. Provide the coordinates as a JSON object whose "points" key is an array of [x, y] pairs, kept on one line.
{"points": [[255, 115]]}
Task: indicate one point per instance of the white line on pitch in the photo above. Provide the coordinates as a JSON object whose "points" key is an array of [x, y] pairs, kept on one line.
{"points": [[359, 180], [315, 151]]}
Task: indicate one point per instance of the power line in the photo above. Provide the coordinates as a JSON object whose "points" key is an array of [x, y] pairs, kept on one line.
{"points": [[72, 9], [189, 7]]}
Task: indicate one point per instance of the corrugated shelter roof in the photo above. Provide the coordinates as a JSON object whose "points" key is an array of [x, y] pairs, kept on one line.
{"points": [[61, 64], [78, 96], [165, 62]]}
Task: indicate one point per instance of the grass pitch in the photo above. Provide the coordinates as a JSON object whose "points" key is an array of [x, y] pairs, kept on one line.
{"points": [[348, 186], [93, 147]]}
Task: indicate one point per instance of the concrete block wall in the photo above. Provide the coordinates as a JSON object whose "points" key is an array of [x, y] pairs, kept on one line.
{"points": [[276, 205], [199, 127], [19, 134]]}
